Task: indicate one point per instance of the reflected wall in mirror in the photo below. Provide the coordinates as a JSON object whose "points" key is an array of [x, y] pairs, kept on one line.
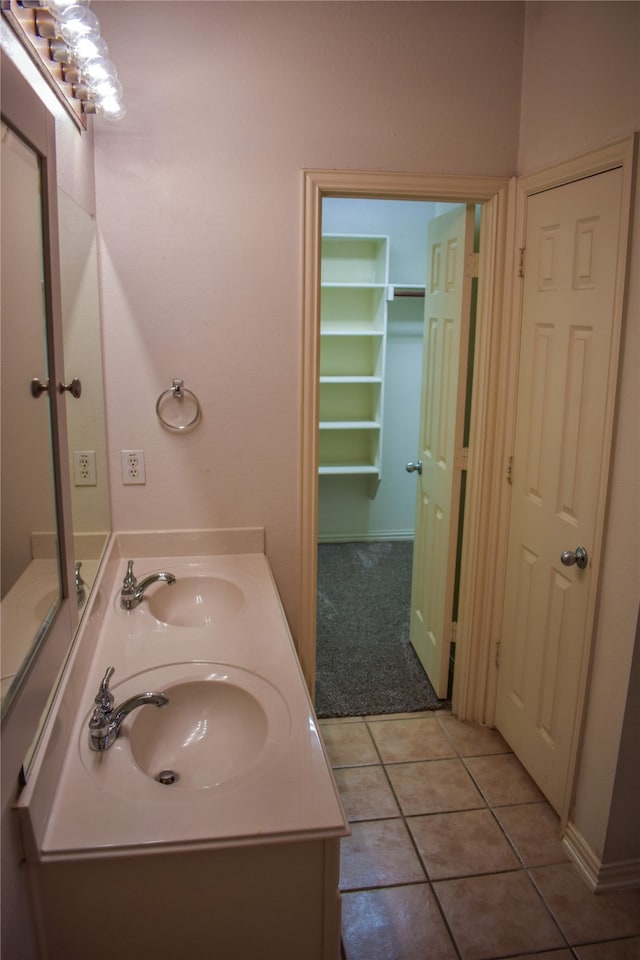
{"points": [[85, 415], [30, 578]]}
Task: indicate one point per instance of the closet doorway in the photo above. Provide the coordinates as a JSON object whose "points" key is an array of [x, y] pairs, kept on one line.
{"points": [[382, 261], [479, 595]]}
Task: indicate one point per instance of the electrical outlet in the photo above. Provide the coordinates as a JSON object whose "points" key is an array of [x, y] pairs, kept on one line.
{"points": [[84, 468], [133, 466]]}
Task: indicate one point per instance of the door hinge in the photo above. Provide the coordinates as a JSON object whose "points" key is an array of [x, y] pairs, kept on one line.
{"points": [[521, 253], [473, 265], [510, 470], [453, 631], [461, 460], [498, 642]]}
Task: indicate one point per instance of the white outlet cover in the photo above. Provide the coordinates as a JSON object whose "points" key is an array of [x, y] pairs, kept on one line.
{"points": [[132, 462], [84, 468]]}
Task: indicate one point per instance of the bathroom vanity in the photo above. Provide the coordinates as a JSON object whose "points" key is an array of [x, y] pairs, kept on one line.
{"points": [[210, 827]]}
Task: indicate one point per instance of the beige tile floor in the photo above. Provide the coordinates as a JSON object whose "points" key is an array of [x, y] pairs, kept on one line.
{"points": [[455, 854]]}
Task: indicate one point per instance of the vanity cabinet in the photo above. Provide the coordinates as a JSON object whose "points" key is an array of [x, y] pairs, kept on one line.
{"points": [[353, 335], [270, 900], [238, 856]]}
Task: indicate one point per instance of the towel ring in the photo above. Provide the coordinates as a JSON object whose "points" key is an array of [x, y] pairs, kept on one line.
{"points": [[178, 392]]}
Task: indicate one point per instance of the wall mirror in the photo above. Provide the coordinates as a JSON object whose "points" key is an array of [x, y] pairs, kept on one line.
{"points": [[30, 578], [55, 517]]}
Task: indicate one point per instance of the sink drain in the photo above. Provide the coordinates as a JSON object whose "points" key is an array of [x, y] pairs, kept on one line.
{"points": [[167, 777]]}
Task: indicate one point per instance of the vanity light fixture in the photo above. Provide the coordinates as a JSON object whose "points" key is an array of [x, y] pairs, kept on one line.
{"points": [[65, 36]]}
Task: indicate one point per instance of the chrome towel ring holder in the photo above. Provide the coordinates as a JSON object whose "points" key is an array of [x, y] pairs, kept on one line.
{"points": [[178, 392]]}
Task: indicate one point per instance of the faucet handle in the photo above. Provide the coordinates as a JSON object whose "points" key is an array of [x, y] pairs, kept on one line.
{"points": [[81, 593], [104, 697], [130, 581]]}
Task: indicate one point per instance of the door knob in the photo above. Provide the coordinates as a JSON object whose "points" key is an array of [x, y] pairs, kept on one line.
{"points": [[38, 387], [74, 388], [580, 557], [414, 467]]}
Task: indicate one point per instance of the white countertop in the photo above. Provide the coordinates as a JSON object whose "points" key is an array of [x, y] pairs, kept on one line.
{"points": [[105, 805]]}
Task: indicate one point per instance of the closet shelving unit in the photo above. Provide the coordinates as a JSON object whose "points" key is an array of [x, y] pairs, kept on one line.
{"points": [[353, 342]]}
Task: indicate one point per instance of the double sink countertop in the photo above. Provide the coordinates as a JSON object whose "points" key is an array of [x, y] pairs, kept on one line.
{"points": [[107, 805]]}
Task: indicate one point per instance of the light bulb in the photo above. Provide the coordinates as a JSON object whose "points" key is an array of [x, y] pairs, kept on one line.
{"points": [[111, 108], [57, 7], [77, 21], [88, 48], [98, 70], [109, 88]]}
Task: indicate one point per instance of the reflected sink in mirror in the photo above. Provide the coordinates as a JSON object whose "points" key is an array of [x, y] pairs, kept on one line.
{"points": [[39, 602], [27, 611], [210, 732], [196, 601]]}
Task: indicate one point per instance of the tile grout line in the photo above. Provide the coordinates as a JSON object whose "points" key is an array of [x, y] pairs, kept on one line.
{"points": [[487, 805], [429, 881], [548, 908], [523, 868], [412, 839]]}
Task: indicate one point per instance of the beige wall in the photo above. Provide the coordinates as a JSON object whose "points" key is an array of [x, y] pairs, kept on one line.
{"points": [[580, 79], [199, 206], [581, 90]]}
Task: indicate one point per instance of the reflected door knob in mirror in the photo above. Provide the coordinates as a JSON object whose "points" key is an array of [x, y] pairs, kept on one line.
{"points": [[74, 388], [38, 387]]}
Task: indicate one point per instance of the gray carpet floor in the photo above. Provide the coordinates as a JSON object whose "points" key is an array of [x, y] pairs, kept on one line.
{"points": [[365, 663]]}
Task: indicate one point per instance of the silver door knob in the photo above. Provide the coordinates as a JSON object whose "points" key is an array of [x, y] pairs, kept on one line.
{"points": [[38, 387], [74, 388], [414, 467], [580, 557]]}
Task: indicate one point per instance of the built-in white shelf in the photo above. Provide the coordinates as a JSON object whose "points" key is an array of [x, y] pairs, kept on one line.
{"points": [[353, 333], [350, 379], [348, 469]]}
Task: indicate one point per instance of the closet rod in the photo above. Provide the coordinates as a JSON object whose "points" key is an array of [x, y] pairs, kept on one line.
{"points": [[408, 293]]}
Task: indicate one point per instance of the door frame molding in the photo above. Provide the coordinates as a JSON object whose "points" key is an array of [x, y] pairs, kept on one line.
{"points": [[620, 154], [486, 476]]}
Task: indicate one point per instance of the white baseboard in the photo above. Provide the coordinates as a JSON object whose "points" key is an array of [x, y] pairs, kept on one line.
{"points": [[600, 877], [365, 538]]}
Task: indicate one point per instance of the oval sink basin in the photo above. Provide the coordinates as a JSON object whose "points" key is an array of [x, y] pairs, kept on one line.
{"points": [[196, 601], [39, 598], [212, 730]]}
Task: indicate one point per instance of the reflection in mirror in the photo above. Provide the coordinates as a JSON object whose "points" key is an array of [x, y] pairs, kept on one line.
{"points": [[30, 578], [85, 415]]}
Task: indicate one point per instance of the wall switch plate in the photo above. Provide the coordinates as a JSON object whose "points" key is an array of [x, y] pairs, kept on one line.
{"points": [[133, 466], [84, 468]]}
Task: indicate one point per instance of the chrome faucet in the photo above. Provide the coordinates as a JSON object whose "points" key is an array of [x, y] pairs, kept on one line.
{"points": [[132, 591], [80, 585], [105, 722]]}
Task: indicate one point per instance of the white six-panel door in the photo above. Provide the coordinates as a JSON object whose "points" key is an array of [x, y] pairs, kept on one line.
{"points": [[446, 339], [561, 432]]}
